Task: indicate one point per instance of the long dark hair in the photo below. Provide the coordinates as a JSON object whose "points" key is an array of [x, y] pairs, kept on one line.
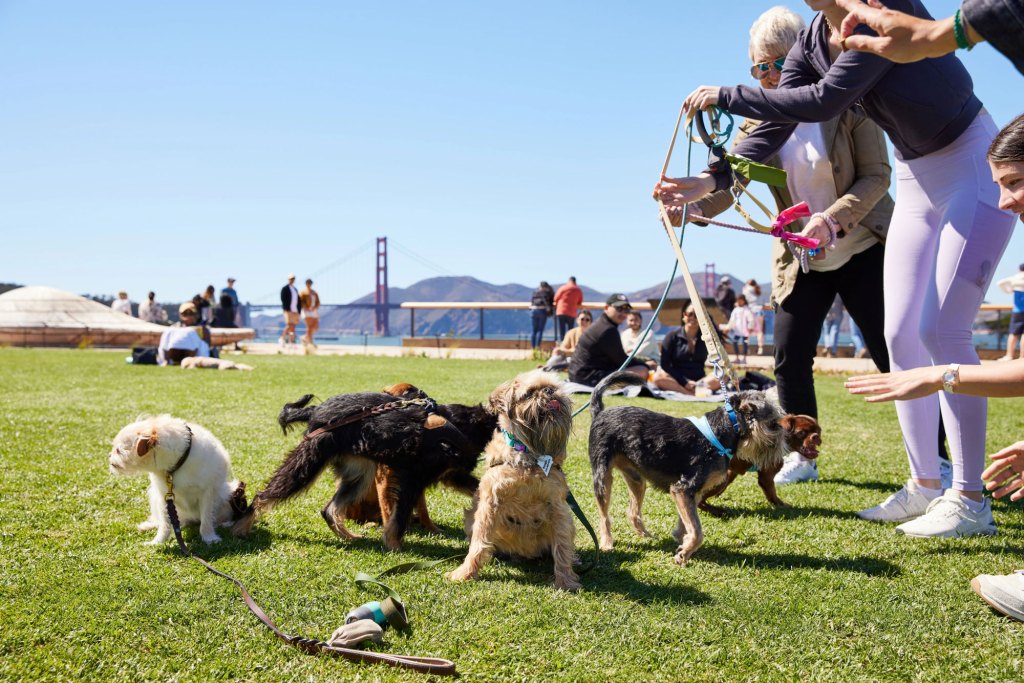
{"points": [[1008, 144]]}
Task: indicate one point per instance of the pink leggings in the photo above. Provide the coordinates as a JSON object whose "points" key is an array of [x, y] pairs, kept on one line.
{"points": [[946, 239]]}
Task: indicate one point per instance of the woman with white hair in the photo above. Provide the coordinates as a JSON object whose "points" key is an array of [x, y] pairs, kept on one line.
{"points": [[948, 235], [841, 167]]}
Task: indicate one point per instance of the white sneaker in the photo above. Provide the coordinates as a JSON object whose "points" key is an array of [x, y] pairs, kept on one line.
{"points": [[796, 469], [1005, 594], [949, 517], [908, 503], [946, 473]]}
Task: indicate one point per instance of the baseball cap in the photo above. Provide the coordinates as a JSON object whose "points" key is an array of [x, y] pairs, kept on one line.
{"points": [[230, 280], [187, 307], [291, 276], [725, 279], [618, 301]]}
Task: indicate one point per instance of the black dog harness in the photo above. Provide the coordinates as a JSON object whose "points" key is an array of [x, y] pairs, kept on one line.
{"points": [[429, 404]]}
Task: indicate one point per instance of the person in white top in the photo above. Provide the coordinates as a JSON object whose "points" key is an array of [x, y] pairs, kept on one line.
{"points": [[122, 304], [1015, 285], [741, 321], [752, 291], [648, 350], [151, 311], [181, 339]]}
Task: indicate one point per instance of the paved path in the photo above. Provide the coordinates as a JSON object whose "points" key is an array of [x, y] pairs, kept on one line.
{"points": [[828, 365]]}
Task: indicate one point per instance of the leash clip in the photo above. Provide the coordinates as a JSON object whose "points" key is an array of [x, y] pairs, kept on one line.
{"points": [[169, 479]]}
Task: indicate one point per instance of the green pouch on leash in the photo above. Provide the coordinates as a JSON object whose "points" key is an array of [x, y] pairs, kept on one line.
{"points": [[751, 170]]}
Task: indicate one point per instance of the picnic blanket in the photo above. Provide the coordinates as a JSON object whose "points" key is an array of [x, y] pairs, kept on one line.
{"points": [[646, 390]]}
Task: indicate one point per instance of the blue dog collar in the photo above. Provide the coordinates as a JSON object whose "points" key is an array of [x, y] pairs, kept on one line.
{"points": [[732, 417], [701, 423]]}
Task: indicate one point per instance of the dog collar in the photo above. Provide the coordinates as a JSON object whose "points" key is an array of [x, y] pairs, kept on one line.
{"points": [[732, 417], [701, 423], [184, 456], [542, 461]]}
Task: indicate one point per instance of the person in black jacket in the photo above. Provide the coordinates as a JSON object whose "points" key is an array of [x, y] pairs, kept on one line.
{"points": [[290, 308], [599, 352], [542, 305], [725, 296]]}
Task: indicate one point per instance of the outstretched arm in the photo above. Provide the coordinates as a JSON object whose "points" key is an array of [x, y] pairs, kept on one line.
{"points": [[901, 38], [997, 380]]}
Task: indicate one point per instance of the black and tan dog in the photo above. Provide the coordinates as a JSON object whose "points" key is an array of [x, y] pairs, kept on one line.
{"points": [[422, 443], [675, 456]]}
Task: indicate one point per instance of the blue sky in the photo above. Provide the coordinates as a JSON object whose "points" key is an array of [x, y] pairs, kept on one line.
{"points": [[168, 145]]}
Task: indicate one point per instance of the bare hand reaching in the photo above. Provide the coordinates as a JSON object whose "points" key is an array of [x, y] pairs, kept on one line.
{"points": [[1006, 473], [902, 385], [901, 37]]}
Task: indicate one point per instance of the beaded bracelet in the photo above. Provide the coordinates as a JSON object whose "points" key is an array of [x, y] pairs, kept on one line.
{"points": [[962, 43]]}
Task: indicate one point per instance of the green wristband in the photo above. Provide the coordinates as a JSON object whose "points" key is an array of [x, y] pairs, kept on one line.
{"points": [[960, 34]]}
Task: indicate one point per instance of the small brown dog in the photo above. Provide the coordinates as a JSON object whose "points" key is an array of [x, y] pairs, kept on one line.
{"points": [[520, 508], [803, 435]]}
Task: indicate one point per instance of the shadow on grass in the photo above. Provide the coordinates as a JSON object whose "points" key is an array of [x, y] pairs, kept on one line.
{"points": [[862, 564], [794, 512], [603, 577], [885, 486], [955, 546], [259, 539]]}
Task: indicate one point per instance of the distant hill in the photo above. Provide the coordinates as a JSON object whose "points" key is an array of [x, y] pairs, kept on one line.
{"points": [[457, 322]]}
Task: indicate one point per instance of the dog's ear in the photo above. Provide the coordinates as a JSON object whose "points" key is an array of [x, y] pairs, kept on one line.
{"points": [[501, 398], [788, 423], [144, 443]]}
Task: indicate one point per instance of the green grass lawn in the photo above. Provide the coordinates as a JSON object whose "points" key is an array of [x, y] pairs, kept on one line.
{"points": [[808, 593]]}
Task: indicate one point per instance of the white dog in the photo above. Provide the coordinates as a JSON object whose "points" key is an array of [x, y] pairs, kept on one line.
{"points": [[200, 470]]}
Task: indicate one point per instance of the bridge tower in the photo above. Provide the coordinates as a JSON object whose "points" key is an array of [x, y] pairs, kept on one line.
{"points": [[710, 280], [380, 294]]}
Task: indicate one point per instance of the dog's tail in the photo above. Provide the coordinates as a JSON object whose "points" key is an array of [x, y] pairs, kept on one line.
{"points": [[615, 380], [299, 411]]}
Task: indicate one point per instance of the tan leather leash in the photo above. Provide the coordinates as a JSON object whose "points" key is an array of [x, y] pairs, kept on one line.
{"points": [[430, 665], [720, 358]]}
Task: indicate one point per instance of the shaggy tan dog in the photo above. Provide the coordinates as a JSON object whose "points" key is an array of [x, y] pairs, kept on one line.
{"points": [[520, 507]]}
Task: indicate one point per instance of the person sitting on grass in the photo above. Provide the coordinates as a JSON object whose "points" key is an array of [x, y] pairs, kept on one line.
{"points": [[600, 352], [182, 339], [683, 355], [563, 352], [648, 350]]}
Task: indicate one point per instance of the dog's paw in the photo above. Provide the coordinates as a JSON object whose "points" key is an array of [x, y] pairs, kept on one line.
{"points": [[461, 574], [148, 525], [211, 538], [158, 539], [680, 557], [779, 503], [606, 545], [570, 585]]}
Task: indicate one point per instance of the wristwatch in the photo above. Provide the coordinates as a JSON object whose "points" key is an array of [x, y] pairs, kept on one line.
{"points": [[951, 377]]}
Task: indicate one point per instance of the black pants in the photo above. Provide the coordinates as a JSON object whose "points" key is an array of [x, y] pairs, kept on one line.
{"points": [[563, 323], [799, 318]]}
